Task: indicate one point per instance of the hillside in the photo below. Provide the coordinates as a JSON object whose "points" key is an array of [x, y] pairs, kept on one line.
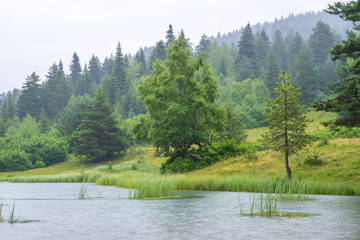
{"points": [[302, 23], [340, 167]]}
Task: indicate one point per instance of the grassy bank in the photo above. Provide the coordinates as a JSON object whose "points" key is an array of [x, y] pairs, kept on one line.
{"points": [[339, 173]]}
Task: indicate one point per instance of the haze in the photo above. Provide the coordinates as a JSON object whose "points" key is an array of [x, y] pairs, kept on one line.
{"points": [[37, 33]]}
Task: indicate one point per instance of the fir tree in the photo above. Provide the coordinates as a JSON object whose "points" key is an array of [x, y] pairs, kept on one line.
{"points": [[169, 36], [287, 121], [75, 69], [98, 138], [95, 69], [204, 45], [30, 100]]}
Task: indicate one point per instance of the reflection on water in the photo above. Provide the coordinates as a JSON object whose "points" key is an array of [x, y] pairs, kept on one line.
{"points": [[57, 213]]}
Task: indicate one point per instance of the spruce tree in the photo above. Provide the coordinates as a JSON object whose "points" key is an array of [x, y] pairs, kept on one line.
{"points": [[287, 121], [169, 36], [30, 100], [345, 93], [75, 69], [159, 52], [278, 48], [98, 137], [321, 40], [262, 44], [204, 45], [95, 69], [271, 73]]}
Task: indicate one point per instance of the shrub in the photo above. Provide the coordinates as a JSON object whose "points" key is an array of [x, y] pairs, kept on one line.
{"points": [[313, 159], [179, 161]]}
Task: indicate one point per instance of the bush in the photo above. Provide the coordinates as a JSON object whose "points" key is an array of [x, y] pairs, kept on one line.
{"points": [[313, 159], [19, 153], [179, 161]]}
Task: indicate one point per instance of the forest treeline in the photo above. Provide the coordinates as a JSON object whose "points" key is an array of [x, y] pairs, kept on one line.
{"points": [[93, 110]]}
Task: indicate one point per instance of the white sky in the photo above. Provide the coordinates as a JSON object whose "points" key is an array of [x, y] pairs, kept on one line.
{"points": [[36, 33]]}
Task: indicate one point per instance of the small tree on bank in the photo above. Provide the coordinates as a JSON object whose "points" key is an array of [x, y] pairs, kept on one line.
{"points": [[287, 121]]}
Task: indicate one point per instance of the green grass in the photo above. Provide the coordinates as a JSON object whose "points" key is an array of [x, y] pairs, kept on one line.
{"points": [[338, 174]]}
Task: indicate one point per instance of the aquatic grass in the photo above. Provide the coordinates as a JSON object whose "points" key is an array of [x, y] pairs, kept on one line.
{"points": [[151, 187], [83, 192], [12, 219], [1, 215], [261, 206]]}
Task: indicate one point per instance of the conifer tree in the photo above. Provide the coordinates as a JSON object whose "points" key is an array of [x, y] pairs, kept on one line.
{"points": [[30, 100], [287, 121], [204, 45], [140, 58], [169, 36], [321, 40], [278, 48], [95, 69], [159, 52], [75, 69], [98, 137], [119, 72], [271, 73], [262, 44]]}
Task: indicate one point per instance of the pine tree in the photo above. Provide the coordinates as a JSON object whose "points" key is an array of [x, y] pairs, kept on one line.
{"points": [[159, 52], [246, 53], [169, 36], [204, 45], [140, 58], [98, 136], [30, 100], [278, 48], [271, 73], [75, 69], [306, 76], [321, 40], [287, 121], [95, 69], [262, 44]]}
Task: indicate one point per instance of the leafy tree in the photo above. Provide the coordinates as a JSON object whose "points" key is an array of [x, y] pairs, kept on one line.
{"points": [[321, 40], [73, 114], [346, 92], [30, 100], [75, 69], [180, 99], [234, 128], [98, 136], [204, 45], [169, 36], [245, 69], [287, 121]]}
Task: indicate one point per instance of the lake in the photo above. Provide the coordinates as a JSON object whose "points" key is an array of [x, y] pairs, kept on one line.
{"points": [[54, 211]]}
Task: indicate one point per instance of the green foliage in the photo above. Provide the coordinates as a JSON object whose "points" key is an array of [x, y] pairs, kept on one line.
{"points": [[346, 92], [30, 101], [98, 136], [180, 99], [313, 159], [287, 121], [234, 128], [179, 162]]}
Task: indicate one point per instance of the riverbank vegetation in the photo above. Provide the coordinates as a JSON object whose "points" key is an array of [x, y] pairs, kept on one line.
{"points": [[192, 119]]}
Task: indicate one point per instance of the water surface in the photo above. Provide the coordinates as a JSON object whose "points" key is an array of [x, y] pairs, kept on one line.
{"points": [[109, 214]]}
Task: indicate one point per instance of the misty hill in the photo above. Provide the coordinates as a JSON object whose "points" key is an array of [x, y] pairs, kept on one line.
{"points": [[302, 23]]}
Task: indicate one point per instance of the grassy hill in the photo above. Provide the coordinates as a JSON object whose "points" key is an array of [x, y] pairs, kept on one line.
{"points": [[339, 172]]}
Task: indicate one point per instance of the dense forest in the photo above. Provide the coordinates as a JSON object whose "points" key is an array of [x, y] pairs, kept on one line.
{"points": [[100, 109]]}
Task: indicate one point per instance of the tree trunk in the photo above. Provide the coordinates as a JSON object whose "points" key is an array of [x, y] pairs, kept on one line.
{"points": [[287, 163]]}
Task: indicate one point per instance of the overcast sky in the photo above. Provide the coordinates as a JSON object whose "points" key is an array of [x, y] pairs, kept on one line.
{"points": [[36, 33]]}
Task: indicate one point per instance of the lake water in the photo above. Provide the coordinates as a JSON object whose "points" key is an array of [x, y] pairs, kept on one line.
{"points": [[58, 213]]}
